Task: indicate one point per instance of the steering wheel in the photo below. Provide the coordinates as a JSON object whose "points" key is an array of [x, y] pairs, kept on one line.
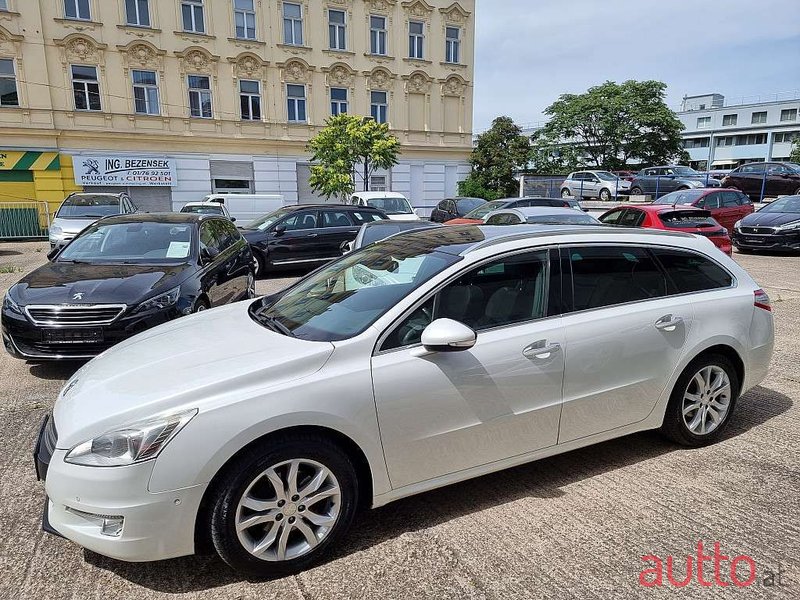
{"points": [[415, 326]]}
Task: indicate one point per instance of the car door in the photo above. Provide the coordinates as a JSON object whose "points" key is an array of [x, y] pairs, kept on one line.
{"points": [[780, 181], [624, 338], [438, 214], [752, 179], [444, 412], [337, 227], [730, 209], [294, 240], [713, 203], [238, 262], [647, 182], [213, 279]]}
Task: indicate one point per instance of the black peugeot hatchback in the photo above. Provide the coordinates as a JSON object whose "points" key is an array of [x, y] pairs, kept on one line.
{"points": [[121, 276]]}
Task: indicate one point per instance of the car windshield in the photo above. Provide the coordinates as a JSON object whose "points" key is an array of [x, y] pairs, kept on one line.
{"points": [[485, 209], [131, 243], [466, 205], [684, 171], [787, 204], [605, 175], [684, 197], [89, 206], [391, 206], [342, 299], [560, 219], [203, 210], [264, 222]]}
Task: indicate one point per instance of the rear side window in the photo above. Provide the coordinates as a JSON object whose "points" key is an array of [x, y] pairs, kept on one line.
{"points": [[608, 275], [730, 199], [338, 218], [632, 218], [612, 218], [689, 272]]}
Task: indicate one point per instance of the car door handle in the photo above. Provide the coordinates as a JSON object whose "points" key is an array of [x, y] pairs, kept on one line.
{"points": [[668, 323], [541, 350], [312, 235]]}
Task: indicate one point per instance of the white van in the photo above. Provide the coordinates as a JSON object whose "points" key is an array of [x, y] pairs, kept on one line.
{"points": [[247, 207], [395, 205]]}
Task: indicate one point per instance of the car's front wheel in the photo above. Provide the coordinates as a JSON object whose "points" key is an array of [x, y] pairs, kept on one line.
{"points": [[605, 195], [565, 193], [702, 401], [282, 505], [636, 191], [258, 265]]}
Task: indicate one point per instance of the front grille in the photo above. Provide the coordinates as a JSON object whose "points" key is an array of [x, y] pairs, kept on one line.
{"points": [[74, 315], [758, 230], [48, 350]]}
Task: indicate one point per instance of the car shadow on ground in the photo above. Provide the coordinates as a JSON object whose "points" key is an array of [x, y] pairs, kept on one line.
{"points": [[7, 252], [541, 479], [54, 370]]}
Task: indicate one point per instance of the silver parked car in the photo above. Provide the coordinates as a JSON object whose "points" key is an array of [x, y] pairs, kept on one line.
{"points": [[539, 215], [81, 209], [424, 359], [594, 184]]}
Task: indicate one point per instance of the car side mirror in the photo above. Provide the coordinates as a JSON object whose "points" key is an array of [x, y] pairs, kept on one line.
{"points": [[208, 255], [53, 253], [279, 229], [447, 335]]}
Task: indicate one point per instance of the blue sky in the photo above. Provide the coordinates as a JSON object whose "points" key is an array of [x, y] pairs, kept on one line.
{"points": [[530, 51]]}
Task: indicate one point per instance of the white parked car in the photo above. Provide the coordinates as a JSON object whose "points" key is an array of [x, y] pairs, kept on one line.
{"points": [[425, 359], [602, 185], [247, 207], [207, 208], [394, 205]]}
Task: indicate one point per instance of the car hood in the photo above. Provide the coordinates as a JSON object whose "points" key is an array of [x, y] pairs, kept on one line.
{"points": [[60, 282], [769, 219], [191, 362], [73, 226]]}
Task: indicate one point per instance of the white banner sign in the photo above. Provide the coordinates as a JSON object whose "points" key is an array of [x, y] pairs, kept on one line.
{"points": [[124, 170]]}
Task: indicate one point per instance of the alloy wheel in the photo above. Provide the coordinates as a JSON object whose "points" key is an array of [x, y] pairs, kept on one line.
{"points": [[565, 194], [256, 266], [707, 400], [288, 510]]}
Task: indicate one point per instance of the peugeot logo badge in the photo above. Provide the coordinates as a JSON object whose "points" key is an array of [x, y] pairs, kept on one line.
{"points": [[78, 296]]}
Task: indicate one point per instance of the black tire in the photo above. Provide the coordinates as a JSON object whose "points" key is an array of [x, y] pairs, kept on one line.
{"points": [[797, 192], [674, 426], [636, 191], [605, 195], [250, 465], [259, 266], [200, 305]]}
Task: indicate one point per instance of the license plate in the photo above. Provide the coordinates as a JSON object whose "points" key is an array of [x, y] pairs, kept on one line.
{"points": [[72, 336]]}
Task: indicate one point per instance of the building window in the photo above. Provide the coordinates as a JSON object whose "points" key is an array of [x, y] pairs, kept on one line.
{"points": [[244, 18], [4, 5], [193, 17], [296, 103], [696, 143], [789, 114], [8, 83], [86, 88], [338, 101], [337, 30], [377, 35], [787, 136], [759, 117], [379, 106], [703, 122], [137, 13], [377, 183], [250, 100], [77, 9], [145, 92], [452, 45], [728, 120], [292, 24], [724, 141], [200, 96], [416, 39]]}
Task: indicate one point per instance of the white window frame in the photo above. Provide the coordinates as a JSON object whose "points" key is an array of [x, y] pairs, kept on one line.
{"points": [[245, 13], [378, 37], [730, 120], [84, 84], [12, 77], [139, 16], [337, 106], [379, 110], [196, 7], [416, 41], [293, 22], [297, 102], [703, 122], [249, 96], [790, 114], [200, 93], [76, 7], [452, 46], [758, 117], [147, 87], [337, 32]]}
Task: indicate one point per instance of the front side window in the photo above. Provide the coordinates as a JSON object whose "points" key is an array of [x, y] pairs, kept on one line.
{"points": [[609, 275], [145, 92], [86, 88], [759, 117], [296, 103], [452, 45], [337, 30], [193, 16], [137, 13], [612, 217], [632, 218], [250, 99], [379, 106], [690, 272], [292, 24], [77, 9], [789, 114], [338, 101], [200, 97], [416, 39], [377, 35], [302, 219], [244, 18], [8, 83]]}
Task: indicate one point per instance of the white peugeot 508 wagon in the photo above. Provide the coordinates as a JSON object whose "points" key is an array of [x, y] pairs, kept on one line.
{"points": [[424, 359]]}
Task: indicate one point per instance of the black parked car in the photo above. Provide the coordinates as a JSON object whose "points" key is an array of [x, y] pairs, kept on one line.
{"points": [[774, 227], [657, 181], [454, 208], [305, 235], [777, 179], [121, 276]]}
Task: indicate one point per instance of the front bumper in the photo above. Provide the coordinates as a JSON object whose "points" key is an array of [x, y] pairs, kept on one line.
{"points": [[780, 240]]}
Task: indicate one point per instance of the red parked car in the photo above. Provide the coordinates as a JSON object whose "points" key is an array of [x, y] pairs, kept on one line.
{"points": [[726, 206], [687, 219]]}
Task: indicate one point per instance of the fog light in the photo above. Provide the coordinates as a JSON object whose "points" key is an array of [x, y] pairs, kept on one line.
{"points": [[110, 525]]}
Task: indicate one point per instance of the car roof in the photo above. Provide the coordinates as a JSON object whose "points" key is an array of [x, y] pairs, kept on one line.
{"points": [[657, 208], [533, 211], [330, 206], [164, 217], [371, 195]]}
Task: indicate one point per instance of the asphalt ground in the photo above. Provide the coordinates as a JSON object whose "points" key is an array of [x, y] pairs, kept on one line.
{"points": [[572, 526]]}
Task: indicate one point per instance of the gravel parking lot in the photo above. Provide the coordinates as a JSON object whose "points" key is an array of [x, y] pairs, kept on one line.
{"points": [[573, 526]]}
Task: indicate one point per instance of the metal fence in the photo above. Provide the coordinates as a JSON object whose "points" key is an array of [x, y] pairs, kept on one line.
{"points": [[24, 220], [544, 186]]}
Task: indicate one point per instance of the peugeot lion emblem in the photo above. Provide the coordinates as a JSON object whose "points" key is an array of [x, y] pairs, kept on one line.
{"points": [[78, 296]]}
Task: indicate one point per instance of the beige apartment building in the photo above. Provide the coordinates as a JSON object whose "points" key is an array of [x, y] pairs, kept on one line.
{"points": [[174, 99]]}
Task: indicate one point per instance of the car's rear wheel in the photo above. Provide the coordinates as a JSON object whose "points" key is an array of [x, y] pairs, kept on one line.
{"points": [[702, 401], [565, 193], [200, 305], [605, 195], [636, 191], [282, 505]]}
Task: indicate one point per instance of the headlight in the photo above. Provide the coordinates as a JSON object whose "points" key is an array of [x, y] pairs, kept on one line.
{"points": [[737, 225], [161, 301], [10, 305], [132, 444], [789, 226]]}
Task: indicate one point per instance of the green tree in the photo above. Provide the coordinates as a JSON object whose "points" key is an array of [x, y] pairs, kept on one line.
{"points": [[612, 124], [347, 145], [795, 155], [498, 154]]}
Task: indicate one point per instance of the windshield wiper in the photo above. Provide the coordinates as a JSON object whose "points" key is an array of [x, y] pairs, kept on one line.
{"points": [[276, 325], [73, 261]]}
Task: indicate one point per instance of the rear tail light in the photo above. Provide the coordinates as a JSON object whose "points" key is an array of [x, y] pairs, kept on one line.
{"points": [[761, 300]]}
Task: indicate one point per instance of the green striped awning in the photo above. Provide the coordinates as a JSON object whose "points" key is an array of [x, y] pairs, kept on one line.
{"points": [[32, 160]]}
